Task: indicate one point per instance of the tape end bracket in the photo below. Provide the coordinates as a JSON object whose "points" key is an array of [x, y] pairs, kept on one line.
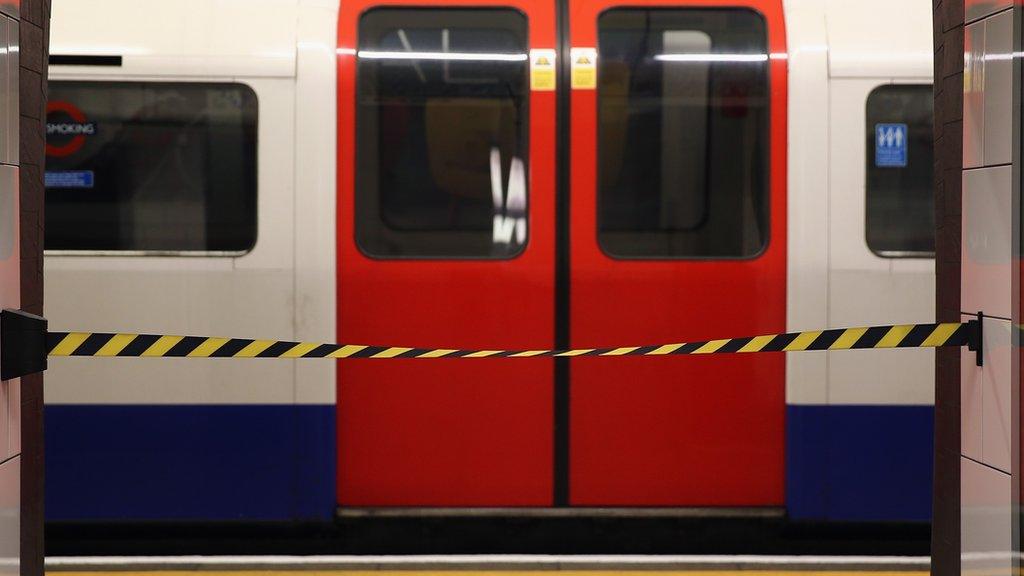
{"points": [[22, 344], [975, 338]]}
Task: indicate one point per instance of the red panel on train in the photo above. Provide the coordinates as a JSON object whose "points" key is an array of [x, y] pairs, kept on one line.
{"points": [[677, 232], [683, 431], [445, 238]]}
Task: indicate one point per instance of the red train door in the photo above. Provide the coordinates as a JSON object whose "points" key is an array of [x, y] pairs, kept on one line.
{"points": [[678, 232], [670, 227], [446, 200]]}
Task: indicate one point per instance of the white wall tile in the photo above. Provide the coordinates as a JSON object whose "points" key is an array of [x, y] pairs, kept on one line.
{"points": [[10, 294], [9, 107], [974, 9], [985, 520], [5, 430], [998, 83], [974, 95], [10, 520], [9, 226], [996, 386], [971, 405], [986, 253], [10, 468], [985, 424], [14, 417], [13, 84], [5, 90]]}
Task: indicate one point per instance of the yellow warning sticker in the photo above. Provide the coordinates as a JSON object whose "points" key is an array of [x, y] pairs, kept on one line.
{"points": [[584, 68], [542, 70]]}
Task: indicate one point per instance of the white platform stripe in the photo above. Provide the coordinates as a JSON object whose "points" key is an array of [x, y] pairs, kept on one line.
{"points": [[489, 561]]}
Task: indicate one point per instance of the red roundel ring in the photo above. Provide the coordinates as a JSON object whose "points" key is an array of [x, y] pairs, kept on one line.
{"points": [[76, 142]]}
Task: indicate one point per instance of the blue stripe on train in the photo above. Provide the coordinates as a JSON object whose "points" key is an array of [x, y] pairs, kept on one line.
{"points": [[859, 463], [276, 462], [194, 462]]}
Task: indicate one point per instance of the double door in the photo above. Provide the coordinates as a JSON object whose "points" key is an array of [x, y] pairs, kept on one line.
{"points": [[538, 175]]}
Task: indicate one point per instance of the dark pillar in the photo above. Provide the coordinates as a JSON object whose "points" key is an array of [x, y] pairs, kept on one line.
{"points": [[948, 22], [35, 33]]}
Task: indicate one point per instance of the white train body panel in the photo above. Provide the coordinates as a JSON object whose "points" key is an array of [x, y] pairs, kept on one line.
{"points": [[253, 293], [864, 288], [852, 414], [807, 272], [315, 185], [865, 52]]}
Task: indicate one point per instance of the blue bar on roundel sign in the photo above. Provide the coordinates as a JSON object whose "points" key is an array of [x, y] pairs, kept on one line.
{"points": [[69, 179], [891, 145]]}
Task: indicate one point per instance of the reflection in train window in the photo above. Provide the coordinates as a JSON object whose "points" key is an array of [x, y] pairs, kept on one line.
{"points": [[441, 133], [682, 133], [151, 167], [900, 219]]}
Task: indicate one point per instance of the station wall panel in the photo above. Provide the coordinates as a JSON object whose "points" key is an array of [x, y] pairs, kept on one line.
{"points": [[971, 406], [10, 284], [987, 266], [974, 95], [975, 9], [998, 76], [10, 512], [987, 215], [985, 519]]}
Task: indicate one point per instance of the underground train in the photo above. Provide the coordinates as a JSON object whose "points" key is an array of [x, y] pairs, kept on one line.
{"points": [[489, 173]]}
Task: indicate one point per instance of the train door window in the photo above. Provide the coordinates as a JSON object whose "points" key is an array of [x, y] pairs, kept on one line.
{"points": [[900, 219], [682, 133], [441, 132], [151, 167]]}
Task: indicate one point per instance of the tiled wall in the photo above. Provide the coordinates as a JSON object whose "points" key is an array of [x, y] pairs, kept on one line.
{"points": [[10, 286], [986, 285], [23, 56]]}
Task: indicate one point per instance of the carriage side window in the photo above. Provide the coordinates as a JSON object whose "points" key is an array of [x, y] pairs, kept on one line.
{"points": [[682, 133], [441, 133], [900, 219], [151, 167]]}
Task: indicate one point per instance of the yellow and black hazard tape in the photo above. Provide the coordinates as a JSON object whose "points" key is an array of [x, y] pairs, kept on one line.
{"points": [[163, 346]]}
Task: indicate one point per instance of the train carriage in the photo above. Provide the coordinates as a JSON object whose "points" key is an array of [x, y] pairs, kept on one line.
{"points": [[489, 173]]}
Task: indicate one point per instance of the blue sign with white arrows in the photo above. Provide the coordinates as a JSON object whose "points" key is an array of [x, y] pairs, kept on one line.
{"points": [[891, 145]]}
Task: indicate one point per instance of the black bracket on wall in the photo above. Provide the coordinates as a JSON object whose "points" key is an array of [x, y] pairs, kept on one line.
{"points": [[22, 344], [975, 338]]}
